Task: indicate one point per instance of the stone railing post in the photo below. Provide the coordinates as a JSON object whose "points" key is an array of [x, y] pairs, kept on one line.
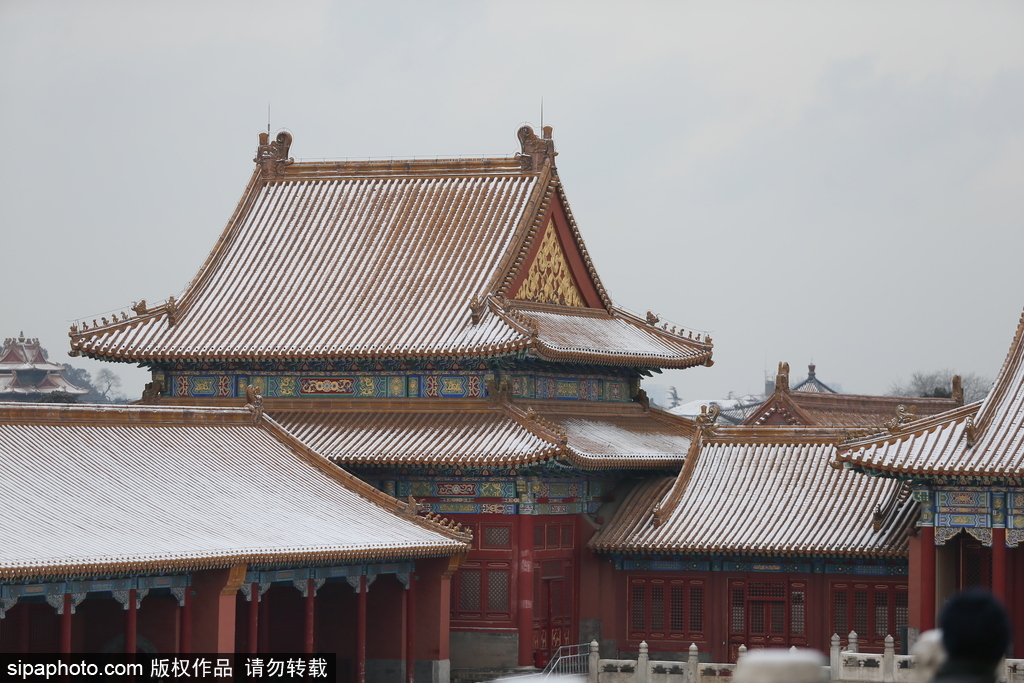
{"points": [[852, 647], [834, 660], [741, 652], [643, 666], [594, 661], [691, 664], [889, 660]]}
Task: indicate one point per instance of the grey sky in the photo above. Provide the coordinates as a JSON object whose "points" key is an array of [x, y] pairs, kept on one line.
{"points": [[839, 182]]}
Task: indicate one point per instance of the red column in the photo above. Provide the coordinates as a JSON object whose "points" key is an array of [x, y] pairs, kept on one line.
{"points": [[130, 624], [310, 615], [525, 588], [410, 630], [185, 643], [25, 628], [927, 583], [361, 632], [65, 626], [254, 610], [999, 564], [264, 635]]}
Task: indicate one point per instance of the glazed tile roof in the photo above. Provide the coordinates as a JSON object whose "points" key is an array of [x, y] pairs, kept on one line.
{"points": [[601, 336], [92, 489], [420, 436], [768, 491], [813, 384], [24, 370], [821, 409], [602, 437], [387, 259], [930, 446], [24, 353], [983, 439], [476, 433], [14, 384]]}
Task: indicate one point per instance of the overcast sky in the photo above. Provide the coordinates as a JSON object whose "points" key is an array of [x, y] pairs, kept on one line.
{"points": [[836, 182]]}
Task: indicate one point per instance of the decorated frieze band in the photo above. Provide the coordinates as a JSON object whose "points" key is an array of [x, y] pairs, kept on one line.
{"points": [[812, 566], [975, 510], [460, 384], [119, 589], [456, 508], [510, 490]]}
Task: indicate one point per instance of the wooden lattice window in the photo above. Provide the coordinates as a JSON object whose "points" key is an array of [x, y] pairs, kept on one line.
{"points": [[481, 591], [497, 591], [551, 536], [496, 536], [873, 610], [797, 611], [665, 608], [469, 590]]}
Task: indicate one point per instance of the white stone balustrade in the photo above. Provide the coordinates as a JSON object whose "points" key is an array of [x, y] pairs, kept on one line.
{"points": [[847, 665]]}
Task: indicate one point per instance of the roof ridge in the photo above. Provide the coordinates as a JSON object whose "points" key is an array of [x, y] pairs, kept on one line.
{"points": [[1010, 368], [922, 424], [102, 413]]}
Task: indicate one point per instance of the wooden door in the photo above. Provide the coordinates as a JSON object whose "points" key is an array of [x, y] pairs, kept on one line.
{"points": [[552, 611]]}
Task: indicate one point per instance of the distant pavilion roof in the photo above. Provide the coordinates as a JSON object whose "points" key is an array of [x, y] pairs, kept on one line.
{"points": [[763, 491], [814, 408], [813, 384], [465, 433], [25, 372], [103, 490], [398, 258], [984, 440]]}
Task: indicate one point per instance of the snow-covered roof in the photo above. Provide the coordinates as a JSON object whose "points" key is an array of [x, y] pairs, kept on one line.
{"points": [[24, 370], [823, 409], [396, 258], [100, 490], [983, 439], [479, 433], [762, 491]]}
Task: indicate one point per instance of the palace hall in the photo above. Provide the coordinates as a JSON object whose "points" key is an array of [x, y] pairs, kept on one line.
{"points": [[432, 336]]}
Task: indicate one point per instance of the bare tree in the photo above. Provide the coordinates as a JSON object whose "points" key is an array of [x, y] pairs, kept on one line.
{"points": [[939, 384], [106, 382], [674, 399]]}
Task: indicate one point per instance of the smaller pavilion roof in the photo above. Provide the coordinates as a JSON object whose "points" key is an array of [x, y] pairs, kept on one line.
{"points": [[25, 353], [814, 408], [984, 439], [103, 490], [765, 491], [467, 432], [812, 384], [24, 370]]}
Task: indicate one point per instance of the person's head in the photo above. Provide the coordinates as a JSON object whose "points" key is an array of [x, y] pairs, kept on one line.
{"points": [[975, 626]]}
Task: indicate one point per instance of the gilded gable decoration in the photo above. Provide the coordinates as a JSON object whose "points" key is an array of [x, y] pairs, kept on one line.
{"points": [[549, 279]]}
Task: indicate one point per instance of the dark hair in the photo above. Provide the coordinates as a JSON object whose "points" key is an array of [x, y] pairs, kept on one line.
{"points": [[975, 626]]}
